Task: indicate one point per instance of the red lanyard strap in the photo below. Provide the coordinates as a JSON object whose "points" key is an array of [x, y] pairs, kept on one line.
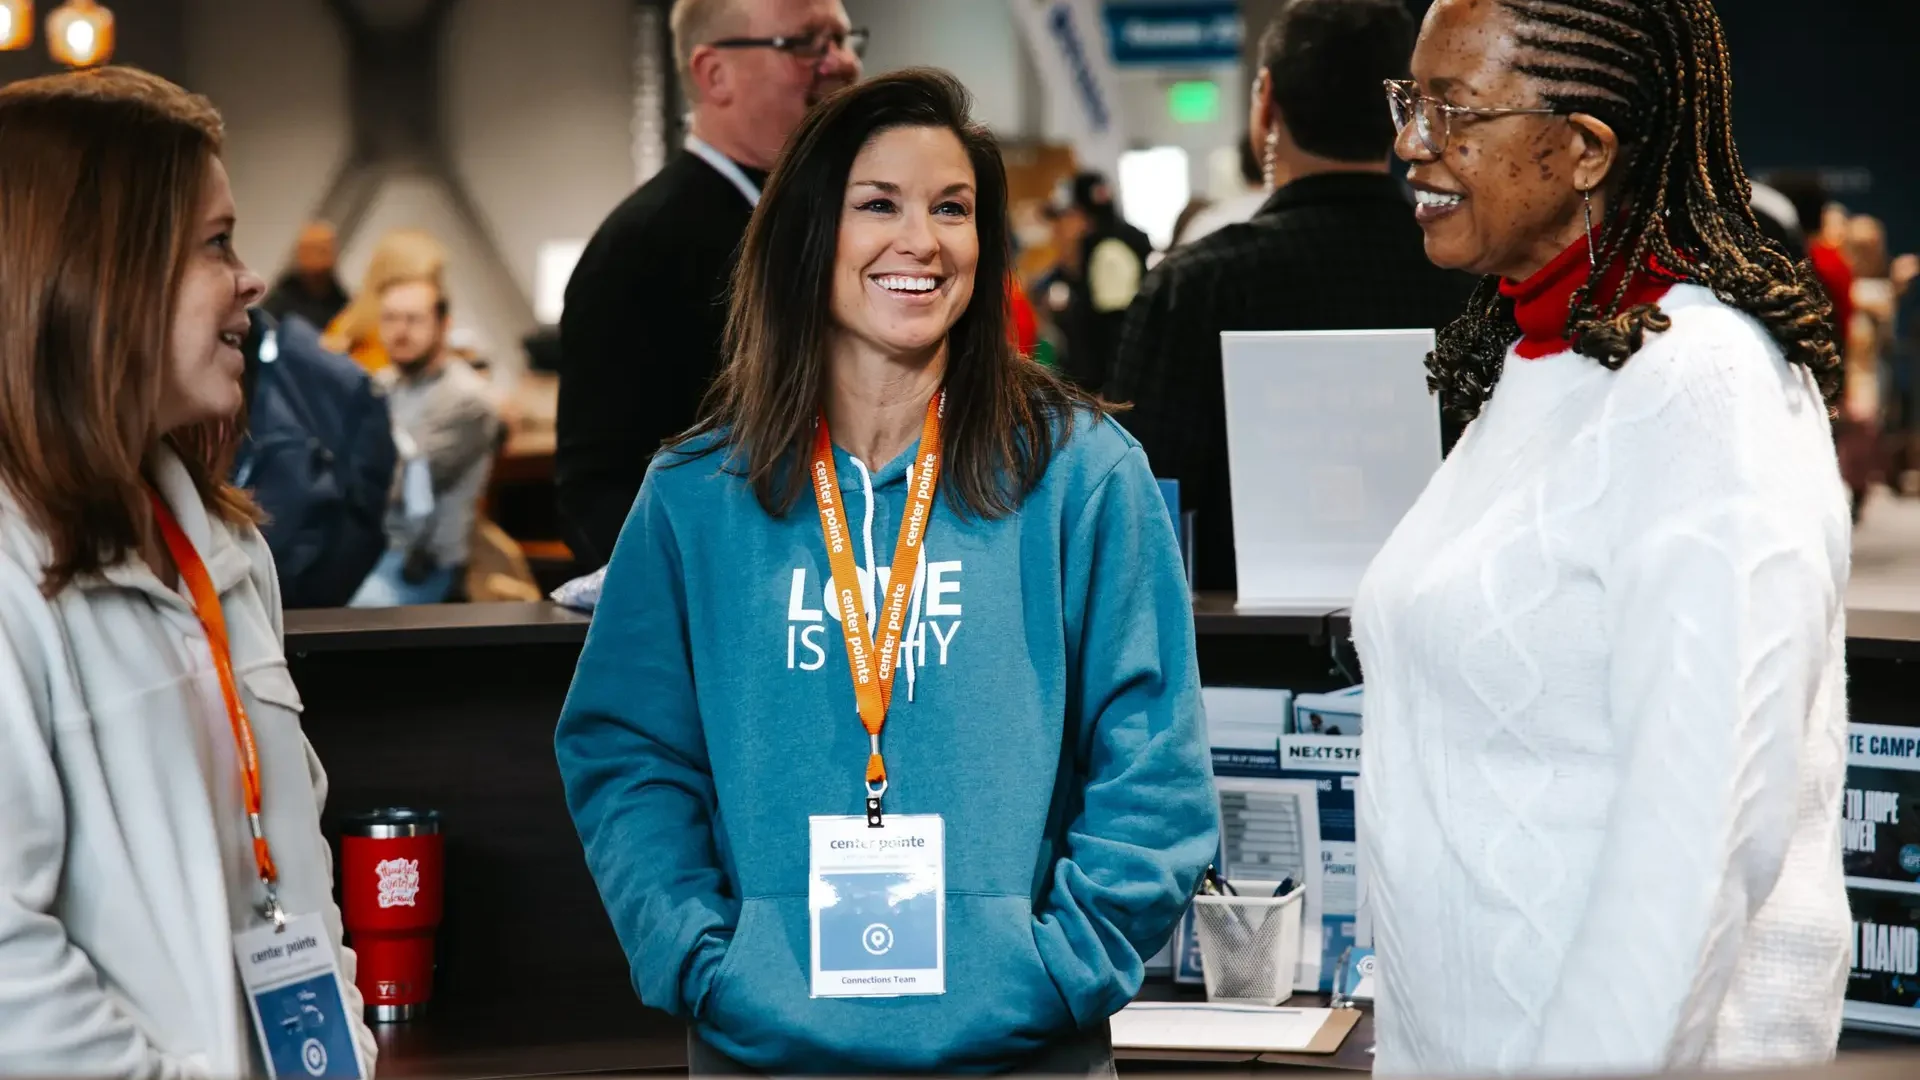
{"points": [[871, 662], [206, 605]]}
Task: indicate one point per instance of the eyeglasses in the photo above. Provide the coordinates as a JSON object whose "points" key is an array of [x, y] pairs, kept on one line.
{"points": [[1432, 119], [813, 47]]}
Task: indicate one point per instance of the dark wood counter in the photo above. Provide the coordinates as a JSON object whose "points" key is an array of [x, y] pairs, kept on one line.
{"points": [[1883, 635], [1870, 632], [435, 626], [453, 707]]}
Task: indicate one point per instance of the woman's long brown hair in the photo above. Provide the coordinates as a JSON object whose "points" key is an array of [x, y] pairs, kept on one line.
{"points": [[1006, 415], [101, 177]]}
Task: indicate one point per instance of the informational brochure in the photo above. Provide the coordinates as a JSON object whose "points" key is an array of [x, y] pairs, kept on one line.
{"points": [[1880, 844], [1331, 763], [1270, 832]]}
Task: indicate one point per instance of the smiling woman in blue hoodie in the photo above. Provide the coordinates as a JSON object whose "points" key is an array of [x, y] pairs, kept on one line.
{"points": [[1044, 754]]}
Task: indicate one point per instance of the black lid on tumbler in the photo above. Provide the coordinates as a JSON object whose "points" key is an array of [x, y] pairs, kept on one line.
{"points": [[389, 822]]}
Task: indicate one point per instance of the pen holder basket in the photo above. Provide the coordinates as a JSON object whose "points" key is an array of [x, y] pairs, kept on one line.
{"points": [[1249, 946]]}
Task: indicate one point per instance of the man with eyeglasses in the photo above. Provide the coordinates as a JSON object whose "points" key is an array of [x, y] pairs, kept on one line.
{"points": [[646, 308]]}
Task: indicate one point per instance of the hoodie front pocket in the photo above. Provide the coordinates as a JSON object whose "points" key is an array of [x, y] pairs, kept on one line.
{"points": [[1000, 1007]]}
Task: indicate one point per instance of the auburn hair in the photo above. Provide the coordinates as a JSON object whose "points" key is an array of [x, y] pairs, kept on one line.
{"points": [[102, 173], [1006, 415]]}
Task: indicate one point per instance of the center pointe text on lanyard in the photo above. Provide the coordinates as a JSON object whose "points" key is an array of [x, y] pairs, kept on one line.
{"points": [[872, 663], [206, 606]]}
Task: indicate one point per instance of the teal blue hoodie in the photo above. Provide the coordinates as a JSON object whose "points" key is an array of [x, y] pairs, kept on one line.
{"points": [[1047, 704]]}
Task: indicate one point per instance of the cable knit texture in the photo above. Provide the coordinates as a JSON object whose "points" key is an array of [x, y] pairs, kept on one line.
{"points": [[1606, 715]]}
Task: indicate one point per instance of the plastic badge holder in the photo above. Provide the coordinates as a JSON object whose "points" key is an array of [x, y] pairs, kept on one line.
{"points": [[1252, 946]]}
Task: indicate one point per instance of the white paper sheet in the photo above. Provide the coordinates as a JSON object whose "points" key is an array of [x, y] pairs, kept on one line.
{"points": [[1196, 1026]]}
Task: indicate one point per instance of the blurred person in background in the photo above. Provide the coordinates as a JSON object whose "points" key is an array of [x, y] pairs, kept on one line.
{"points": [[146, 712], [1867, 342], [401, 255], [640, 335], [1103, 262], [1606, 730], [1197, 205], [1779, 221], [310, 288], [1822, 234], [1823, 228], [870, 351], [1902, 399], [1238, 207], [444, 418], [1334, 247], [318, 458]]}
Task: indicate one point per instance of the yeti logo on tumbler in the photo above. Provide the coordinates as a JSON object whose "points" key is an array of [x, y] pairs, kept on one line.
{"points": [[399, 881]]}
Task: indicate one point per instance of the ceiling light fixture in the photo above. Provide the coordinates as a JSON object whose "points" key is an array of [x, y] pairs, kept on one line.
{"points": [[16, 24], [80, 33]]}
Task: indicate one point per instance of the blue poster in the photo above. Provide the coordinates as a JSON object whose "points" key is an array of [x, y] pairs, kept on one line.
{"points": [[1174, 34]]}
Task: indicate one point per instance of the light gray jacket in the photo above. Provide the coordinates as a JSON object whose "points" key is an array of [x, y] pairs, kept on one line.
{"points": [[125, 860]]}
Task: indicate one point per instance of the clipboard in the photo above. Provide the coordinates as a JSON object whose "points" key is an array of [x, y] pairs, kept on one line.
{"points": [[1219, 1032]]}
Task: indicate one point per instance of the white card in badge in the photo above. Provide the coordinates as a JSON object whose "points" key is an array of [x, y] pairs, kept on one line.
{"points": [[878, 902], [292, 981]]}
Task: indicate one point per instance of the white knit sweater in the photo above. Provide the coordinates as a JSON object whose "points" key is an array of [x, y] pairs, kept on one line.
{"points": [[1605, 735]]}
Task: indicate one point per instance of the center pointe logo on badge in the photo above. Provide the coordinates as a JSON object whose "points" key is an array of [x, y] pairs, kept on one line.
{"points": [[399, 881]]}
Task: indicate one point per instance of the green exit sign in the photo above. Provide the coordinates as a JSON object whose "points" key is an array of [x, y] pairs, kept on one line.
{"points": [[1194, 102]]}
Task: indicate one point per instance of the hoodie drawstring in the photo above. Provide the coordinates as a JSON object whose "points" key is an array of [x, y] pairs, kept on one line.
{"points": [[872, 589], [909, 652]]}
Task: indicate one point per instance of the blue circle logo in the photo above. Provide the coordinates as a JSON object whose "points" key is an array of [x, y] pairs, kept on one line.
{"points": [[878, 939], [1910, 859], [313, 1057]]}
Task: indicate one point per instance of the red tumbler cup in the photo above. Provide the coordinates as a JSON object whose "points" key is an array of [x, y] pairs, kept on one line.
{"points": [[391, 884]]}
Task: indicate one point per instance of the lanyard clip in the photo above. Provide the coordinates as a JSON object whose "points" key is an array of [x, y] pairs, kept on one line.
{"points": [[876, 784], [273, 911]]}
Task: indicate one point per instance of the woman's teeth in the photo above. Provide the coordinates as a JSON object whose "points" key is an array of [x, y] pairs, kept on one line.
{"points": [[1435, 200], [230, 338], [907, 283]]}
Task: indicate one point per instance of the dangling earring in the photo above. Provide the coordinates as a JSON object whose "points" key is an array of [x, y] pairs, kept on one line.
{"points": [[1266, 157], [1586, 208]]}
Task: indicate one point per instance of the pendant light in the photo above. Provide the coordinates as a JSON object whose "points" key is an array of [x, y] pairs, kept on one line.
{"points": [[80, 33], [16, 24]]}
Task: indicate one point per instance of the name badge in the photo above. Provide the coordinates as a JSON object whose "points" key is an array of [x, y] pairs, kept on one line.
{"points": [[878, 899], [292, 982]]}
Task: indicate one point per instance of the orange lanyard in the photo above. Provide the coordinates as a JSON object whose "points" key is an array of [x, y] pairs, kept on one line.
{"points": [[872, 662], [206, 605]]}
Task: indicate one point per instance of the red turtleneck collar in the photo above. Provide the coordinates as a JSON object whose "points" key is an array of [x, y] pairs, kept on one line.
{"points": [[1541, 303]]}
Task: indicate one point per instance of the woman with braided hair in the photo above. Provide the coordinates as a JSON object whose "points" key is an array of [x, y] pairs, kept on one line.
{"points": [[1606, 711]]}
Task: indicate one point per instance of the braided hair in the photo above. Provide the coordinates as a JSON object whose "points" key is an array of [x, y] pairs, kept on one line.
{"points": [[1656, 71]]}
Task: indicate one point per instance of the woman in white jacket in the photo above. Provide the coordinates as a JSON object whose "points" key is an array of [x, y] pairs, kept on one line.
{"points": [[128, 862], [1606, 711]]}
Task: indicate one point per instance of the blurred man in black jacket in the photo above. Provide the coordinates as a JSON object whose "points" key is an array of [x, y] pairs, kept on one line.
{"points": [[647, 305], [1334, 248]]}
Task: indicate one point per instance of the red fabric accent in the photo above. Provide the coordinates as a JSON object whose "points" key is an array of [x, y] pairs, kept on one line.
{"points": [[1025, 325], [1830, 266], [1542, 302]]}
